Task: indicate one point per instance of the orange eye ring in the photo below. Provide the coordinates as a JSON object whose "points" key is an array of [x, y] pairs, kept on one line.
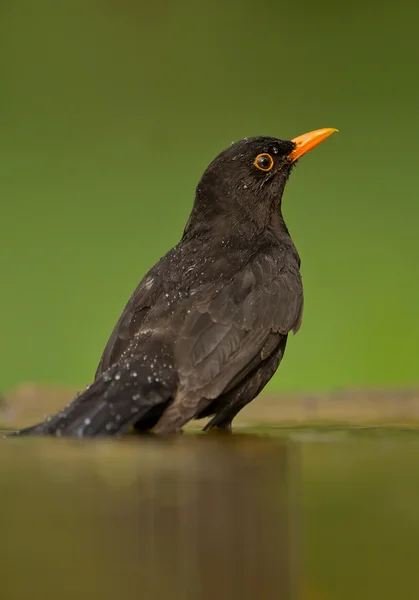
{"points": [[264, 162]]}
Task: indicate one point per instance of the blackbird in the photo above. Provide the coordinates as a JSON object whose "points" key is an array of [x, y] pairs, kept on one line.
{"points": [[207, 326]]}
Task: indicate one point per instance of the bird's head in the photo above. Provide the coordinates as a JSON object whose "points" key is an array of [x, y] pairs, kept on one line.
{"points": [[248, 178]]}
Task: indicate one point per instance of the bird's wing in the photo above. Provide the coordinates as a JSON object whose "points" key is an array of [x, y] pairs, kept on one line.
{"points": [[239, 326], [130, 321]]}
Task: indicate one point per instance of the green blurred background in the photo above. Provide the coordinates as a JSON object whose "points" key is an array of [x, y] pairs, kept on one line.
{"points": [[111, 110]]}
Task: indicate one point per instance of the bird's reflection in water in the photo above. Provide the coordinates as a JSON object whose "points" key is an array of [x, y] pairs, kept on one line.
{"points": [[195, 517], [221, 522]]}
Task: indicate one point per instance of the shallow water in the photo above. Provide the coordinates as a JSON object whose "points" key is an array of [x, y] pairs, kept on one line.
{"points": [[274, 513]]}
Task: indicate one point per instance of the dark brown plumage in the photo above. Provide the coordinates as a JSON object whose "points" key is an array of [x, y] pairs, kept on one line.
{"points": [[207, 327]]}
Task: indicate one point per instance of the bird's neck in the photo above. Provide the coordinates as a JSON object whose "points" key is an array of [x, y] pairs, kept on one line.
{"points": [[216, 217], [209, 226]]}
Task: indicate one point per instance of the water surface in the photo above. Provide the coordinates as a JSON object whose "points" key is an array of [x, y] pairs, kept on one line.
{"points": [[274, 513]]}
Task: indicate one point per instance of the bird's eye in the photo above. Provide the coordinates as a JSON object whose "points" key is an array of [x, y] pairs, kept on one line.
{"points": [[264, 162]]}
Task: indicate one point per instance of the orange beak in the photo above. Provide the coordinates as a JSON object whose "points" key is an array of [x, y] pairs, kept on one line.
{"points": [[306, 142]]}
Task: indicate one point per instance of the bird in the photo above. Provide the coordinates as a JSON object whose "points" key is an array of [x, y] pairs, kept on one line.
{"points": [[207, 326]]}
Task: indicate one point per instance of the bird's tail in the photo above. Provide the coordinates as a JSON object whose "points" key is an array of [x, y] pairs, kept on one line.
{"points": [[117, 400]]}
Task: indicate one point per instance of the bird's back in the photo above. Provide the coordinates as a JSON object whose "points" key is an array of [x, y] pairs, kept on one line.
{"points": [[190, 277]]}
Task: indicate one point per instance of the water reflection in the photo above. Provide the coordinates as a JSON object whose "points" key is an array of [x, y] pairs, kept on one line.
{"points": [[188, 518], [327, 514]]}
